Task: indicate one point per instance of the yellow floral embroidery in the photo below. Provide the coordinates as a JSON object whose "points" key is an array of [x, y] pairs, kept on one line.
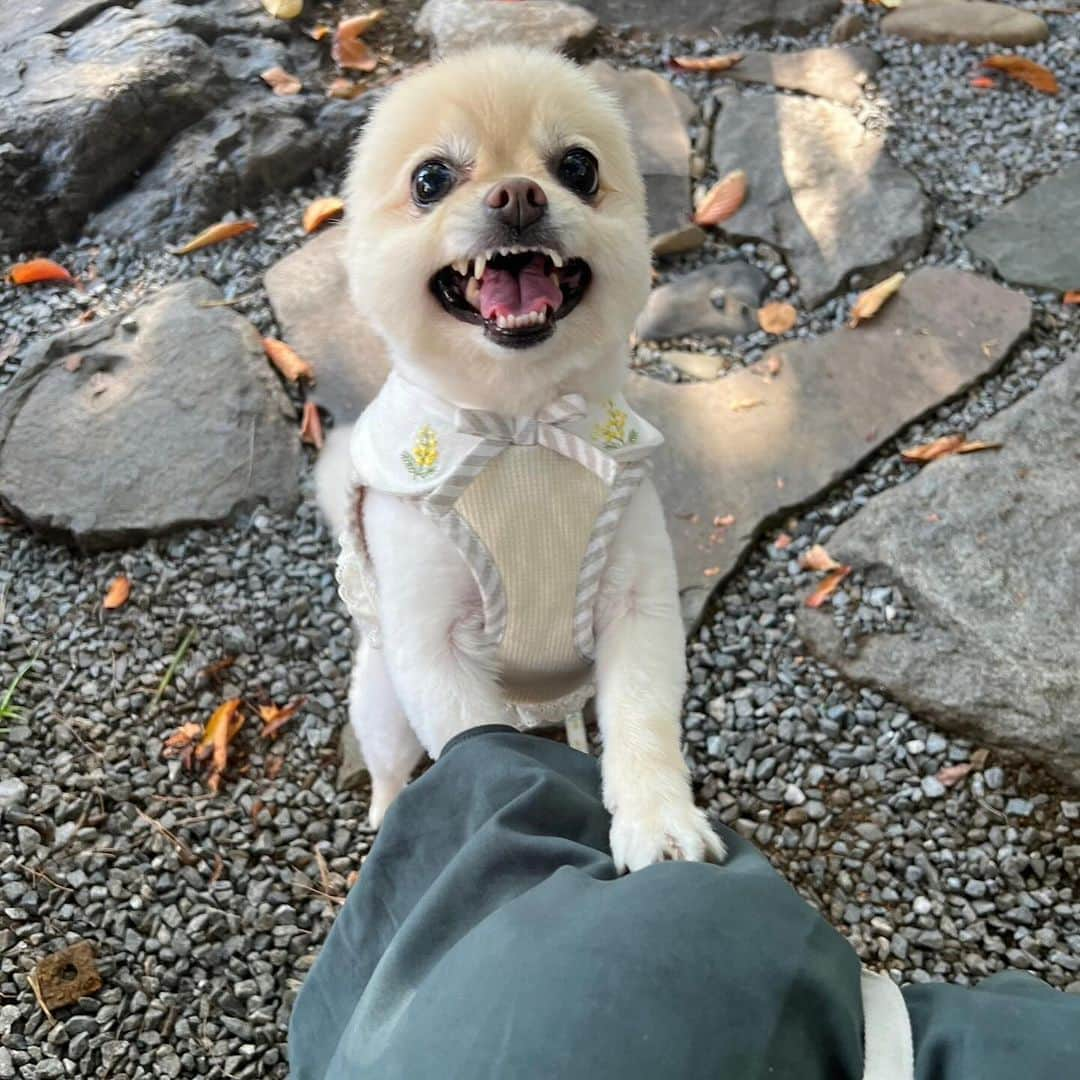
{"points": [[423, 459], [612, 434]]}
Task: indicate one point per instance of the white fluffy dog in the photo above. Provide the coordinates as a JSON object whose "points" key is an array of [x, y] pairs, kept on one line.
{"points": [[505, 547]]}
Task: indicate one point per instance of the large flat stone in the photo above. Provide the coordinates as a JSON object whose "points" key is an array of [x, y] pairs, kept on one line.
{"points": [[986, 549], [977, 22], [26, 18], [716, 301], [838, 73], [1034, 239], [658, 113], [822, 189], [756, 447], [455, 25], [727, 17], [142, 423], [316, 316]]}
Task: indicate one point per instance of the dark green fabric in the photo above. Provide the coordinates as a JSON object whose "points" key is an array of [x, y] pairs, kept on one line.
{"points": [[1010, 1027], [489, 937]]}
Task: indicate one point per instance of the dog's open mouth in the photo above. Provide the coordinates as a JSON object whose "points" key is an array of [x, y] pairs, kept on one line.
{"points": [[516, 294]]}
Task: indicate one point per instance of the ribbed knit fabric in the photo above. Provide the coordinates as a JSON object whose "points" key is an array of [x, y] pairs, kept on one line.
{"points": [[534, 510]]}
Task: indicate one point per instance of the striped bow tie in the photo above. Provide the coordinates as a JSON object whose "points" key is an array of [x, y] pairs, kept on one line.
{"points": [[546, 428]]}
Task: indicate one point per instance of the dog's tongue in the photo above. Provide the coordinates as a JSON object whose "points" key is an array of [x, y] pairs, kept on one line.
{"points": [[502, 292]]}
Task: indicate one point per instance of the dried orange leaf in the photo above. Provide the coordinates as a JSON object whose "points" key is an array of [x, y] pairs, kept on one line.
{"points": [[183, 736], [223, 718], [119, 591], [1071, 297], [321, 211], [974, 446], [287, 360], [318, 32], [722, 199], [28, 273], [311, 431], [223, 230], [983, 82], [344, 89], [349, 50], [953, 774], [817, 558], [284, 9], [275, 717], [706, 63], [827, 587], [1027, 71], [282, 82], [868, 303], [931, 451], [777, 318]]}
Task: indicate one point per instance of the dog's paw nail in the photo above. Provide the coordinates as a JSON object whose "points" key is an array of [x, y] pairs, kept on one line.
{"points": [[643, 834]]}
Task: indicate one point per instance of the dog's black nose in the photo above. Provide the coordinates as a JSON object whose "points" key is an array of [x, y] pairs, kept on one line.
{"points": [[517, 202]]}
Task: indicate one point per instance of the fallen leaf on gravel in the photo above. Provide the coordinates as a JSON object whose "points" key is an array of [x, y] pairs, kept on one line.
{"points": [[931, 451], [321, 211], [743, 404], [975, 446], [183, 736], [317, 33], [1027, 71], [350, 50], [61, 978], [216, 668], [817, 558], [223, 230], [782, 542], [284, 9], [722, 199], [29, 273], [287, 360], [1071, 297], [221, 729], [282, 82], [777, 318], [953, 774], [868, 303], [983, 82], [311, 431], [119, 591], [706, 63], [344, 89], [275, 717], [827, 587]]}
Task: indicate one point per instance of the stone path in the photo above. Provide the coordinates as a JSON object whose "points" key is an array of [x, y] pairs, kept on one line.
{"points": [[985, 550], [133, 426], [974, 21]]}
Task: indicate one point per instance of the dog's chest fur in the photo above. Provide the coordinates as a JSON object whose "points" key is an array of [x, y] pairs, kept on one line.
{"points": [[534, 511]]}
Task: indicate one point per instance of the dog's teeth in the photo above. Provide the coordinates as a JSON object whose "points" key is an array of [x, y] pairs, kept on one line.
{"points": [[503, 322], [554, 279], [461, 266], [472, 292], [481, 264], [557, 259]]}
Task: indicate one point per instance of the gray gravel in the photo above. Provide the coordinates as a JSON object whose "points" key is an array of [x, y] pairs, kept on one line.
{"points": [[202, 909]]}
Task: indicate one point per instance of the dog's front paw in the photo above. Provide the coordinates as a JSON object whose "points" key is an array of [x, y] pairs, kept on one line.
{"points": [[647, 830]]}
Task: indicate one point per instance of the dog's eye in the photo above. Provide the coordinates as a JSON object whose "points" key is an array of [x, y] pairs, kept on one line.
{"points": [[580, 172], [431, 182]]}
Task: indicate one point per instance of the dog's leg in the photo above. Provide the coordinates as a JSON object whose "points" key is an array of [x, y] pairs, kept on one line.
{"points": [[390, 747], [641, 675], [430, 616]]}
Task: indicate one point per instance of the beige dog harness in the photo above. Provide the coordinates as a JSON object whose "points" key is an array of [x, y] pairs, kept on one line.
{"points": [[532, 505]]}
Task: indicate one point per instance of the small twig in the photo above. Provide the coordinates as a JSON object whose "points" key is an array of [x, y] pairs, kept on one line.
{"points": [[34, 985], [181, 847], [230, 302], [171, 670], [36, 872], [318, 892]]}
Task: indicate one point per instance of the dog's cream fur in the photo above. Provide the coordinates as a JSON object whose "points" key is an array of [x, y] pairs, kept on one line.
{"points": [[505, 111]]}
